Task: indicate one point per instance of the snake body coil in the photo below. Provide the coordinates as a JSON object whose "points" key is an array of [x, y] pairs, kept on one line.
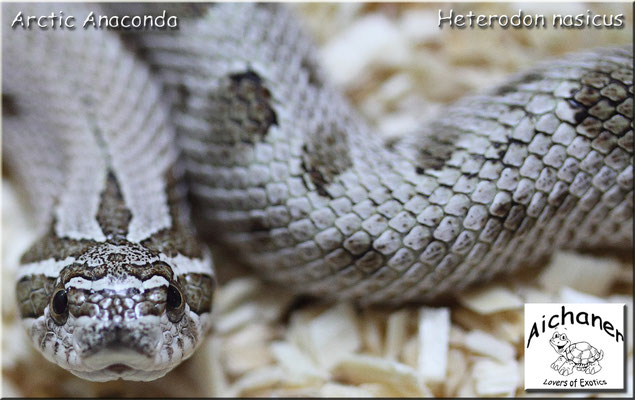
{"points": [[281, 168]]}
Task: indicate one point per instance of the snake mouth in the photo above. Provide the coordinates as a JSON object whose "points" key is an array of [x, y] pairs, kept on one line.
{"points": [[119, 368]]}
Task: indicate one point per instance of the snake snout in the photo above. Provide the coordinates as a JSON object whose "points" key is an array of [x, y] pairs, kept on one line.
{"points": [[130, 345], [144, 339]]}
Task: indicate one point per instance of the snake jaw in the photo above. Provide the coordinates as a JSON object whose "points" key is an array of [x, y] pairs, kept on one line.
{"points": [[117, 361], [114, 361], [120, 371]]}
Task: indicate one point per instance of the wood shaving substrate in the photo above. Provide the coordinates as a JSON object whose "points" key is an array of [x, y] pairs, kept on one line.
{"points": [[398, 68]]}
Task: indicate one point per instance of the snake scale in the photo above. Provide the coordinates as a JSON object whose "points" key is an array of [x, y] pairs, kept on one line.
{"points": [[118, 137]]}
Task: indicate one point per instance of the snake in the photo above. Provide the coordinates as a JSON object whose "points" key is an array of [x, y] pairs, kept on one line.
{"points": [[137, 148]]}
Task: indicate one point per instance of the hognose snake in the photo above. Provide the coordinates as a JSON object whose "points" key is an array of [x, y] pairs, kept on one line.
{"points": [[109, 132]]}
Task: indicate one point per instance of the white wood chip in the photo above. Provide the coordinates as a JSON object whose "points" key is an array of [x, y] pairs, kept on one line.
{"points": [[247, 349], [298, 331], [494, 378], [256, 380], [486, 344], [410, 352], [338, 390], [9, 389], [359, 369], [470, 320], [396, 331], [569, 295], [15, 345], [457, 335], [235, 292], [467, 388], [272, 303], [510, 331], [218, 382], [334, 335], [289, 392], [490, 299], [237, 318], [7, 284], [296, 363], [22, 233], [381, 390], [534, 295], [374, 37], [580, 272], [371, 334], [395, 124], [457, 368], [208, 369], [420, 25], [394, 88], [434, 337], [625, 275]]}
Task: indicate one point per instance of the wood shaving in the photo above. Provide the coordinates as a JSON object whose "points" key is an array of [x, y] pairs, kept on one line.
{"points": [[580, 272], [372, 336], [375, 40], [486, 344], [400, 378], [434, 335], [333, 335], [490, 300], [234, 292], [338, 390], [257, 380], [247, 349], [568, 295], [297, 364], [396, 333], [458, 364], [495, 378]]}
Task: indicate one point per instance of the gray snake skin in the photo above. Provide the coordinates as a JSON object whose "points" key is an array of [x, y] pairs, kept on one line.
{"points": [[109, 131]]}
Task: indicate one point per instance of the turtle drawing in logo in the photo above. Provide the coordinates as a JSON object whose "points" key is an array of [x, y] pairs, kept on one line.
{"points": [[581, 356]]}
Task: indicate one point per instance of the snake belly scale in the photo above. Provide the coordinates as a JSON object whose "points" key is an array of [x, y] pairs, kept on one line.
{"points": [[119, 137]]}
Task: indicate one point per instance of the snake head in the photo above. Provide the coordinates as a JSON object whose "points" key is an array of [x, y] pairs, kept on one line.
{"points": [[119, 312]]}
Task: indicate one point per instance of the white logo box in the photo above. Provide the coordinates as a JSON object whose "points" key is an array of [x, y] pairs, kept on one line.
{"points": [[574, 347]]}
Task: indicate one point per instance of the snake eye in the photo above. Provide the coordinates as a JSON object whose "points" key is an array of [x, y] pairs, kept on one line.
{"points": [[59, 306], [175, 304]]}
